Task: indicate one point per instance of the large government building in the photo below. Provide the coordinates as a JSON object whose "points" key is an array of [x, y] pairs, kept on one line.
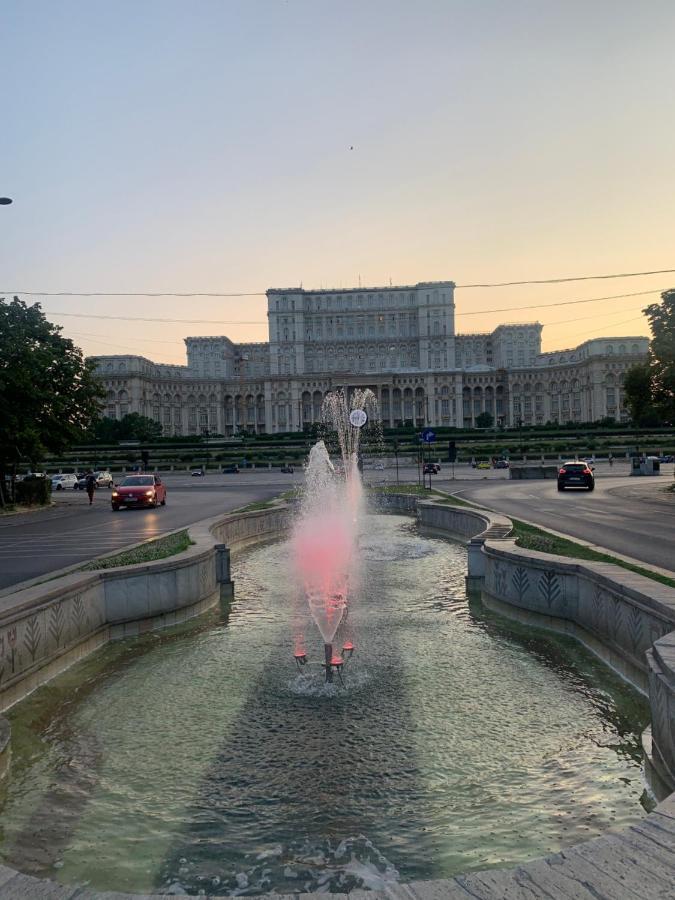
{"points": [[398, 341]]}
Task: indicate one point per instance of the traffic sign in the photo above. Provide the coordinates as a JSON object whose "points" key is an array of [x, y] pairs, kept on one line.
{"points": [[428, 436]]}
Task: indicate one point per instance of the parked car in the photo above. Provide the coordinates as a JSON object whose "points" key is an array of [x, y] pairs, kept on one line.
{"points": [[668, 458], [61, 482], [502, 464], [103, 479], [197, 473], [287, 470], [431, 468], [231, 470], [138, 490], [379, 467], [483, 465], [575, 474]]}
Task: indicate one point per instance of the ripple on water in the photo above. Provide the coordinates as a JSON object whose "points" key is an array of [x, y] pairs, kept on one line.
{"points": [[204, 761]]}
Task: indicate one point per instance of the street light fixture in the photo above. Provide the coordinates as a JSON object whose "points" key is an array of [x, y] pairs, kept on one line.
{"points": [[5, 201]]}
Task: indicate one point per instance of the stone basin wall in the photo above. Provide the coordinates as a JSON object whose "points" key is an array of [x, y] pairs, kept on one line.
{"points": [[47, 627], [630, 623]]}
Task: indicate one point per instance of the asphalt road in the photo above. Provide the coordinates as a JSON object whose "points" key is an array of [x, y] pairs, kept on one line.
{"points": [[36, 543], [630, 516]]}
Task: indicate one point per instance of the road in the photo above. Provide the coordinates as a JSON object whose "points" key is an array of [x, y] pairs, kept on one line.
{"points": [[36, 543], [631, 516]]}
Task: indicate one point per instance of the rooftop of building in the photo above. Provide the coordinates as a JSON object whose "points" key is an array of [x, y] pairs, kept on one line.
{"points": [[359, 289]]}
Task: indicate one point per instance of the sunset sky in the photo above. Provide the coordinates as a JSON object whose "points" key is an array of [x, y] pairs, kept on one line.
{"points": [[236, 145]]}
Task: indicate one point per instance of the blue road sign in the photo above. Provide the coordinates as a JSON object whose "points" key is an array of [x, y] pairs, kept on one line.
{"points": [[428, 436]]}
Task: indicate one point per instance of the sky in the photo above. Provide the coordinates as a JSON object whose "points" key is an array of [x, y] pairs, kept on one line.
{"points": [[236, 145]]}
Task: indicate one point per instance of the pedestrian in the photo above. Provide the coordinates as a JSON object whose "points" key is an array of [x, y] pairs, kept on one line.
{"points": [[90, 485], [611, 460]]}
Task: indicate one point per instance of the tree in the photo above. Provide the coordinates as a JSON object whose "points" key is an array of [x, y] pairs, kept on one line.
{"points": [[650, 387], [484, 420], [638, 393], [132, 427], [48, 392]]}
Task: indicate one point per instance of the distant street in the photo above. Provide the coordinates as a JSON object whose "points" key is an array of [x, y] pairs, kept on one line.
{"points": [[631, 516], [35, 543]]}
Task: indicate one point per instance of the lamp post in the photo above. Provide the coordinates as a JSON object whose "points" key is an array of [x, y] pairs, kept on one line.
{"points": [[396, 449]]}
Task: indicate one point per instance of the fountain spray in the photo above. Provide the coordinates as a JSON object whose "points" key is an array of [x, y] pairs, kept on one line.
{"points": [[325, 539]]}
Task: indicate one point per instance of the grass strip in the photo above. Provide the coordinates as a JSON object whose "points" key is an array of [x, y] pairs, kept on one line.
{"points": [[159, 549], [529, 537]]}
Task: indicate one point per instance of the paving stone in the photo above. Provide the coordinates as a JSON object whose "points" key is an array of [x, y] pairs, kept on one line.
{"points": [[437, 890], [600, 884], [6, 873], [661, 855], [630, 866], [25, 887], [556, 877], [498, 885]]}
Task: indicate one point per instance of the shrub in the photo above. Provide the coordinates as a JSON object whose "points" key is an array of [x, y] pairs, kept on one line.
{"points": [[33, 491]]}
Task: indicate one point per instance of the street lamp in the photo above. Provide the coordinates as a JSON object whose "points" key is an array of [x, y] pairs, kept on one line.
{"points": [[5, 201]]}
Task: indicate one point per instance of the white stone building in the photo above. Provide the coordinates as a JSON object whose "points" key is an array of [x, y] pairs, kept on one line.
{"points": [[399, 341]]}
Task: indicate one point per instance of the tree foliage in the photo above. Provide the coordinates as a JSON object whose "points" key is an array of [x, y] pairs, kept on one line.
{"points": [[650, 387], [48, 392], [132, 427], [484, 420]]}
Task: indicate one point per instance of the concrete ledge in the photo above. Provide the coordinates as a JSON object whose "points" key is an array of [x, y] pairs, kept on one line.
{"points": [[528, 472], [46, 627]]}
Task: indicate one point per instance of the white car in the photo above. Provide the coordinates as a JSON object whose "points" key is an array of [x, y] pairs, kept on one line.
{"points": [[61, 482], [103, 479]]}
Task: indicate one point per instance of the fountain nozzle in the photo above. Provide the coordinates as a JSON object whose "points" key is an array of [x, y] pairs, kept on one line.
{"points": [[301, 658], [348, 649]]}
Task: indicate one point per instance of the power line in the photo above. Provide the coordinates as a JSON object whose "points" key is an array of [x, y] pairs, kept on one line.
{"points": [[132, 294], [481, 312], [494, 284], [144, 319], [563, 280]]}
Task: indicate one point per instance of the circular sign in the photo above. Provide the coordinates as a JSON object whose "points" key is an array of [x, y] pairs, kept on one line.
{"points": [[357, 418]]}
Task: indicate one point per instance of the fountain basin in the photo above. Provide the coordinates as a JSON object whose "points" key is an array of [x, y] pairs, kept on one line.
{"points": [[203, 760]]}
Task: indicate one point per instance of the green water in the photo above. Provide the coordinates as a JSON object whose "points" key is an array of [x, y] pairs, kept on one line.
{"points": [[202, 760]]}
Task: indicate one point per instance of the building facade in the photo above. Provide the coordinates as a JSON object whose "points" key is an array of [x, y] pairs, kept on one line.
{"points": [[398, 341]]}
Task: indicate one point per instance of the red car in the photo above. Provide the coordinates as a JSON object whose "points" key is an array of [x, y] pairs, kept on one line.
{"points": [[138, 490]]}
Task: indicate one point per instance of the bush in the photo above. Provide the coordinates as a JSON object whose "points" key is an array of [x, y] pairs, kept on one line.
{"points": [[33, 491]]}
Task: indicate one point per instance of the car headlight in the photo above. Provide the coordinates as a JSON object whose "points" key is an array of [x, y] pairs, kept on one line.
{"points": [[149, 493], [115, 494]]}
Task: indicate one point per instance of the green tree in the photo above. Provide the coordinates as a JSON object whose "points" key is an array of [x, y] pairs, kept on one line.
{"points": [[132, 427], [48, 392], [650, 387], [484, 420]]}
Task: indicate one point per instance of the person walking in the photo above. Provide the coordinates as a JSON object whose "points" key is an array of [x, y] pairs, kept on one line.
{"points": [[90, 485]]}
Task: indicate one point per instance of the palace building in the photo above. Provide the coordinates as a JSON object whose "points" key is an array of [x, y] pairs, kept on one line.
{"points": [[398, 341]]}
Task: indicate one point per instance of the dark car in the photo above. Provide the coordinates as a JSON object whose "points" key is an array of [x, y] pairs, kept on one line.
{"points": [[575, 474], [231, 470], [287, 470], [431, 468], [502, 464]]}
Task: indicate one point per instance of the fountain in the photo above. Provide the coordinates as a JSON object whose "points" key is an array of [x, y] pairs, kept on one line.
{"points": [[325, 539]]}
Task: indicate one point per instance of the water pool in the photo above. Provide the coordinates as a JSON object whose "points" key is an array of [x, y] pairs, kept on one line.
{"points": [[202, 760]]}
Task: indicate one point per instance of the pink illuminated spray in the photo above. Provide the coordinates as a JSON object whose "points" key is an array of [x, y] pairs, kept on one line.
{"points": [[325, 539]]}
